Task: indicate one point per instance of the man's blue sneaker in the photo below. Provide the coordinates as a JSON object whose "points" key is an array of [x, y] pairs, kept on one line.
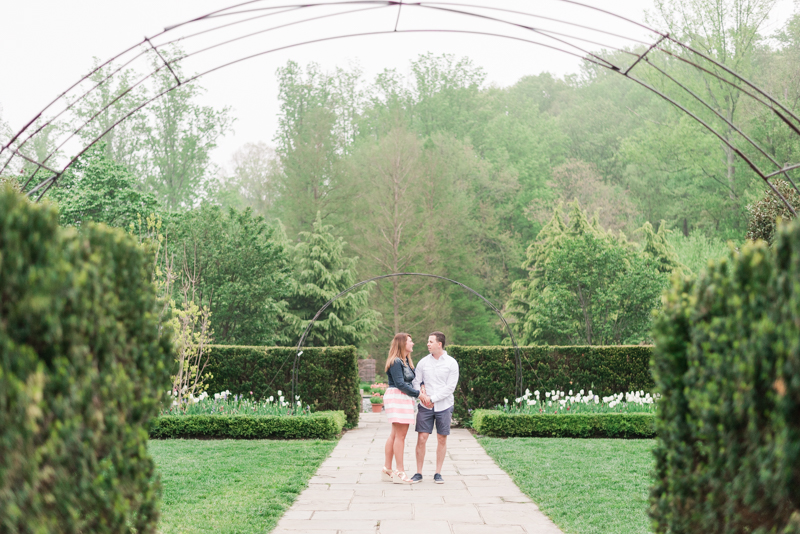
{"points": [[416, 478], [437, 478]]}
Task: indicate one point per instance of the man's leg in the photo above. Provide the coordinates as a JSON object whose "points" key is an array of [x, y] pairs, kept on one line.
{"points": [[422, 439], [441, 450]]}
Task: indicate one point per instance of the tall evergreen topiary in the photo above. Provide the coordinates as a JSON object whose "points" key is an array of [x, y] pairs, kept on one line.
{"points": [[321, 271], [727, 363], [82, 367]]}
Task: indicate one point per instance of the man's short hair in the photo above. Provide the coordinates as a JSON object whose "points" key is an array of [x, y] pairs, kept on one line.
{"points": [[439, 337]]}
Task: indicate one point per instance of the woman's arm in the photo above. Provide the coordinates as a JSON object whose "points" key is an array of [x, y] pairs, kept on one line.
{"points": [[397, 376]]}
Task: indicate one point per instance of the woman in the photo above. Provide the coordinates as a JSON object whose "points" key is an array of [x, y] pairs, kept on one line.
{"points": [[399, 405]]}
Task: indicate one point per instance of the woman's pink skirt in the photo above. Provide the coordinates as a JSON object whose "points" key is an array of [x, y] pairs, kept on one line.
{"points": [[399, 406]]}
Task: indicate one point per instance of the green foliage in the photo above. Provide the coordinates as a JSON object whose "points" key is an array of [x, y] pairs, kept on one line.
{"points": [[82, 367], [764, 213], [487, 375], [658, 247], [319, 425], [696, 250], [327, 378], [97, 189], [727, 363], [600, 425], [237, 265], [587, 286], [321, 271]]}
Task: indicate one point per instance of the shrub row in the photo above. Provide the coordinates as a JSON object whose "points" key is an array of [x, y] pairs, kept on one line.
{"points": [[727, 362], [82, 367], [319, 425], [327, 377], [596, 425], [488, 374]]}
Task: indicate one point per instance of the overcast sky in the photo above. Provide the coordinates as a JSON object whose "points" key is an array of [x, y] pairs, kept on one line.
{"points": [[48, 44]]}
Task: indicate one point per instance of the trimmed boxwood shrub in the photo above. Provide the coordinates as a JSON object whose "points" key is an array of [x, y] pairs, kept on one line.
{"points": [[596, 425], [320, 425], [727, 362], [82, 367], [488, 374], [327, 377]]}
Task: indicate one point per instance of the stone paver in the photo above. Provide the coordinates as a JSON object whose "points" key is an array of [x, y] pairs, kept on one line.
{"points": [[346, 495]]}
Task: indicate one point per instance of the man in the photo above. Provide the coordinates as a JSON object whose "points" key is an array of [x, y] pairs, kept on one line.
{"points": [[436, 378]]}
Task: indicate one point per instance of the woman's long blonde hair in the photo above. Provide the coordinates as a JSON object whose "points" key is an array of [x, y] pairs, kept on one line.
{"points": [[398, 350]]}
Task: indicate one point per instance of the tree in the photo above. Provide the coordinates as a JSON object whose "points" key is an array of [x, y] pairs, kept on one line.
{"points": [[657, 246], [236, 265], [576, 180], [254, 181], [587, 286], [765, 212], [97, 189], [321, 271], [728, 32], [178, 137], [167, 145]]}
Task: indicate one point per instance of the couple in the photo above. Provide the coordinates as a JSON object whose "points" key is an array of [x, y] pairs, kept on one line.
{"points": [[433, 382]]}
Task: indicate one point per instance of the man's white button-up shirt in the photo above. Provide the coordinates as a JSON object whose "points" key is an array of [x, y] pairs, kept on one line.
{"points": [[440, 377]]}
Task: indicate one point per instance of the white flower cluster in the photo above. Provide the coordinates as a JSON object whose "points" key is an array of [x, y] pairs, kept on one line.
{"points": [[190, 398], [559, 397], [222, 396], [636, 397]]}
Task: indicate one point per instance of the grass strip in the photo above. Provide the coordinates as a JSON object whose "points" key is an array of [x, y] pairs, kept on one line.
{"points": [[585, 486], [590, 425], [229, 486], [320, 425]]}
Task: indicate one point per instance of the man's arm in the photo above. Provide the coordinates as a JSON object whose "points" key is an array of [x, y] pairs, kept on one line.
{"points": [[418, 379], [450, 385]]}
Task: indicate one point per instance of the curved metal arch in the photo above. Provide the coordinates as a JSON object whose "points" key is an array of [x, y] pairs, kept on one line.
{"points": [[518, 387], [253, 10]]}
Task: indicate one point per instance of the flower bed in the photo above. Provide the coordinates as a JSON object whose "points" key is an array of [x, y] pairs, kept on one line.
{"points": [[226, 403], [559, 402], [571, 415], [318, 425], [497, 423], [242, 417]]}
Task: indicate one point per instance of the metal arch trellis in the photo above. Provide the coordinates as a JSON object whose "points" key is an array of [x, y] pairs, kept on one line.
{"points": [[518, 361], [237, 16]]}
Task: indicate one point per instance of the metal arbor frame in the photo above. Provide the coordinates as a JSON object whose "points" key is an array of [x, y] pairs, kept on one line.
{"points": [[244, 23], [518, 361]]}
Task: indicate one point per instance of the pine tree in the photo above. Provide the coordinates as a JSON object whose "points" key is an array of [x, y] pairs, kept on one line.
{"points": [[656, 246], [321, 272]]}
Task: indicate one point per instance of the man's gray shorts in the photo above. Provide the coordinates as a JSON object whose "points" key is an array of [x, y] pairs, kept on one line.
{"points": [[426, 418]]}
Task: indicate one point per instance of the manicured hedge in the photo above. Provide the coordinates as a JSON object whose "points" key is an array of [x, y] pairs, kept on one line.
{"points": [[327, 376], [488, 374], [320, 425], [82, 368], [597, 425], [727, 362]]}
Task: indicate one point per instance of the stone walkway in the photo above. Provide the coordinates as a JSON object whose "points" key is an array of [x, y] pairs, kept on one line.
{"points": [[346, 496]]}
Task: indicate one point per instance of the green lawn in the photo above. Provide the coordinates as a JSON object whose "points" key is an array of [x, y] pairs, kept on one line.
{"points": [[585, 486], [232, 485]]}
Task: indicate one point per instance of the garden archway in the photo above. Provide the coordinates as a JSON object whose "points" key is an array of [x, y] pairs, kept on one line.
{"points": [[242, 24], [518, 388]]}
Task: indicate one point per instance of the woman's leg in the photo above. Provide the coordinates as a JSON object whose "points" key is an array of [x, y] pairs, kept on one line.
{"points": [[399, 431], [389, 450]]}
